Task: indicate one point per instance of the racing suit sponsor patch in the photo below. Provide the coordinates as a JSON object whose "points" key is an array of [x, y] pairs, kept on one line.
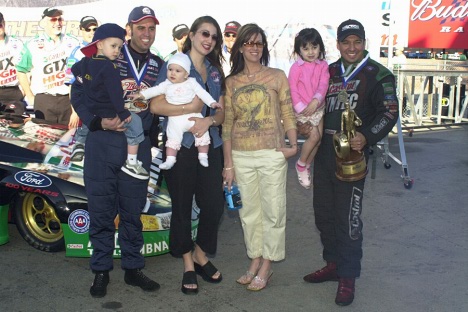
{"points": [[354, 214]]}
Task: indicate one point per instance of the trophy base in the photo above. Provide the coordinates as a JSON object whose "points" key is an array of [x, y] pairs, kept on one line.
{"points": [[353, 169]]}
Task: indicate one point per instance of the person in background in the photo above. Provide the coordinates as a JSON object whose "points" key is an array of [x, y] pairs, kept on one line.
{"points": [[308, 80], [179, 34], [110, 189], [187, 177], [259, 116], [230, 33], [44, 59], [11, 95], [371, 91], [399, 59]]}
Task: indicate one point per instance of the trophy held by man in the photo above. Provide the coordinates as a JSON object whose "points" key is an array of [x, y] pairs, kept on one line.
{"points": [[350, 164]]}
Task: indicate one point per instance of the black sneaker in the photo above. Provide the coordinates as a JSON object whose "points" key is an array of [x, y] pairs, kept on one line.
{"points": [[99, 287], [78, 152], [135, 277]]}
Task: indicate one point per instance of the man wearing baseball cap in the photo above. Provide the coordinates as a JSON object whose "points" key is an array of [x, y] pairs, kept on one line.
{"points": [[43, 59], [113, 189], [179, 34], [370, 90], [10, 93], [230, 34]]}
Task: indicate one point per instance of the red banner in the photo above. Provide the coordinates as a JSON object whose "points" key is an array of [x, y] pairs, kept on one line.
{"points": [[438, 24]]}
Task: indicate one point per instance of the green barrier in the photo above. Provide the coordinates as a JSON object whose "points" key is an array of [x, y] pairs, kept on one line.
{"points": [[4, 238]]}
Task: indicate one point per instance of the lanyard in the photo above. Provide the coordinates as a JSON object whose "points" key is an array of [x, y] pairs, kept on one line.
{"points": [[347, 75], [138, 75]]}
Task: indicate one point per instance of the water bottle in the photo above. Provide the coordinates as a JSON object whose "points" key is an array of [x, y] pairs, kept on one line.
{"points": [[233, 198]]}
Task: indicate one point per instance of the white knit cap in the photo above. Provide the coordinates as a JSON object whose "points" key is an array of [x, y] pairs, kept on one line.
{"points": [[180, 59]]}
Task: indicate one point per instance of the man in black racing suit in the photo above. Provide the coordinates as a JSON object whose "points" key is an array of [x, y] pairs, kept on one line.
{"points": [[371, 93]]}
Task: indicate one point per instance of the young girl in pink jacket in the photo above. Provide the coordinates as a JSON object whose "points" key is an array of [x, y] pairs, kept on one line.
{"points": [[308, 81]]}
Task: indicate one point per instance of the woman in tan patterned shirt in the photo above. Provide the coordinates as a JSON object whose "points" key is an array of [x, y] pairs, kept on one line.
{"points": [[258, 117]]}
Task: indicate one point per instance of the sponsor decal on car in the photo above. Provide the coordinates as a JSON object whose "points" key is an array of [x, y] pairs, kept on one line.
{"points": [[34, 179], [79, 221], [75, 246]]}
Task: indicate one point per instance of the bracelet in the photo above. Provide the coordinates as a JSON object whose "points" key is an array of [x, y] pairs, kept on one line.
{"points": [[229, 168], [183, 109], [213, 121]]}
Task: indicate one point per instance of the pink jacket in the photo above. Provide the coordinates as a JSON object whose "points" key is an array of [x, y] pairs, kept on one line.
{"points": [[308, 81]]}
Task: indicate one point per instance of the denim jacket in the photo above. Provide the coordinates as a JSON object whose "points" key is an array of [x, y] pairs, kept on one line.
{"points": [[213, 81]]}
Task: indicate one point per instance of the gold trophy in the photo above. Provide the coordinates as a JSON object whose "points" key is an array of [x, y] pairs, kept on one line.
{"points": [[350, 164]]}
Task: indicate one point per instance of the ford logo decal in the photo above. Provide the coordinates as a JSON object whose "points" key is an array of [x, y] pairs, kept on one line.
{"points": [[31, 178]]}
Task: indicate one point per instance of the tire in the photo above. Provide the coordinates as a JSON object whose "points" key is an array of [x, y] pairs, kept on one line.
{"points": [[37, 222]]}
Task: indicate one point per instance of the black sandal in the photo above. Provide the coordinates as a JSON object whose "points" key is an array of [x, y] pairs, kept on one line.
{"points": [[207, 271], [189, 278]]}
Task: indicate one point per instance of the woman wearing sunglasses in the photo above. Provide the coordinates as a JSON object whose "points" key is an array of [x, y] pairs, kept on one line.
{"points": [[187, 178], [259, 116]]}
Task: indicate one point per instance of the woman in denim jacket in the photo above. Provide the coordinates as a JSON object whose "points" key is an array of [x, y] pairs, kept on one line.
{"points": [[188, 178]]}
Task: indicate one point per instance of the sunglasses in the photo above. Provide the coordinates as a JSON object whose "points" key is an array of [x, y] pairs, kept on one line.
{"points": [[207, 34], [91, 29], [251, 44], [56, 19], [230, 35]]}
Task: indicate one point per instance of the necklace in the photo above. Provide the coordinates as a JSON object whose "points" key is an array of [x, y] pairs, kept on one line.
{"points": [[249, 75]]}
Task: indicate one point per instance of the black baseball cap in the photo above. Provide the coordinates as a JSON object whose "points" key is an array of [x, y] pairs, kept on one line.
{"points": [[350, 27], [232, 27], [179, 31], [52, 12], [88, 21]]}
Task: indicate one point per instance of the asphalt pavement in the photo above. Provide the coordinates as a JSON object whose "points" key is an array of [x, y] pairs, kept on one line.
{"points": [[415, 250]]}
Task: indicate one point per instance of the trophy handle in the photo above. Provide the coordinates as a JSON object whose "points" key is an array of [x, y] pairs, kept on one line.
{"points": [[342, 148]]}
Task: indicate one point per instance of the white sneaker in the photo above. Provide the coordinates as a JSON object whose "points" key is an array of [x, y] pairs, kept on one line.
{"points": [[135, 170], [303, 177]]}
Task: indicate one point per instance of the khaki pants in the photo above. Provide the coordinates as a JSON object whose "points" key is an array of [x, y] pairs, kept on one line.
{"points": [[261, 177]]}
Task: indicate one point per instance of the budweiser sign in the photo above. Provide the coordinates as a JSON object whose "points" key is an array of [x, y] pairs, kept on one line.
{"points": [[438, 24]]}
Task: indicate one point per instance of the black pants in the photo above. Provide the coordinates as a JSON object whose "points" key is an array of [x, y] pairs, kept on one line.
{"points": [[186, 179], [337, 208]]}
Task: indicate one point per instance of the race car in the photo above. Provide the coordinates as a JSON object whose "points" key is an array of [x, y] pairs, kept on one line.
{"points": [[42, 192]]}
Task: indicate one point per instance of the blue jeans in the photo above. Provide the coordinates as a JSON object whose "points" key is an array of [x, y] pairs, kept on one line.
{"points": [[134, 132]]}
